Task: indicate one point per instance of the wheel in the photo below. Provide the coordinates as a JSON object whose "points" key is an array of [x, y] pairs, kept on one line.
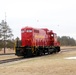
{"points": [[28, 53]]}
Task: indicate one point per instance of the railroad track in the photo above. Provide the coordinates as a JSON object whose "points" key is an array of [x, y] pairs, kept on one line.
{"points": [[10, 60], [18, 59], [8, 54]]}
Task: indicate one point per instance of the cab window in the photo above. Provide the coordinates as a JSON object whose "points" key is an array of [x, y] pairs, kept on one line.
{"points": [[22, 31], [28, 30]]}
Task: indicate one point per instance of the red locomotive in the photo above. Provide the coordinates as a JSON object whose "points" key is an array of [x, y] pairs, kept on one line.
{"points": [[37, 42]]}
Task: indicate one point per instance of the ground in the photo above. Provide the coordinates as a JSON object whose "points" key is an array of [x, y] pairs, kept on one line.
{"points": [[55, 64], [7, 50]]}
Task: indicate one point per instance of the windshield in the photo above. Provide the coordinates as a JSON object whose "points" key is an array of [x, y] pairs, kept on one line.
{"points": [[28, 30], [23, 31]]}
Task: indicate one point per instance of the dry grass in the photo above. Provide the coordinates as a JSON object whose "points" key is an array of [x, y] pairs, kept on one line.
{"points": [[66, 47], [7, 50], [4, 57], [54, 64]]}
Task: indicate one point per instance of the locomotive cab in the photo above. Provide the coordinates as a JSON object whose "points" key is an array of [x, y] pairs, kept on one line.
{"points": [[26, 36]]}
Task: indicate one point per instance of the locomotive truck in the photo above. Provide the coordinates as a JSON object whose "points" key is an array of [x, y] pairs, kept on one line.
{"points": [[36, 42]]}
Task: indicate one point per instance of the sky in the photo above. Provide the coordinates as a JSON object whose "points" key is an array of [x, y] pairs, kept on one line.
{"points": [[56, 15]]}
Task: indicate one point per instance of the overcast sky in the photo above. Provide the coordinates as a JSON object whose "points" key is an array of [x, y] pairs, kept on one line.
{"points": [[56, 15]]}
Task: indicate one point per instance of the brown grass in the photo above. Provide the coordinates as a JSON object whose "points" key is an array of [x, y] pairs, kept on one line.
{"points": [[7, 50], [54, 64], [66, 47]]}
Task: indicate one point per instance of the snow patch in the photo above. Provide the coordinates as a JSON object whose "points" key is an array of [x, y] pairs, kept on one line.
{"points": [[71, 57]]}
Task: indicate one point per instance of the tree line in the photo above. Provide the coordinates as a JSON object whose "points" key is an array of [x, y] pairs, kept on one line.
{"points": [[67, 41]]}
